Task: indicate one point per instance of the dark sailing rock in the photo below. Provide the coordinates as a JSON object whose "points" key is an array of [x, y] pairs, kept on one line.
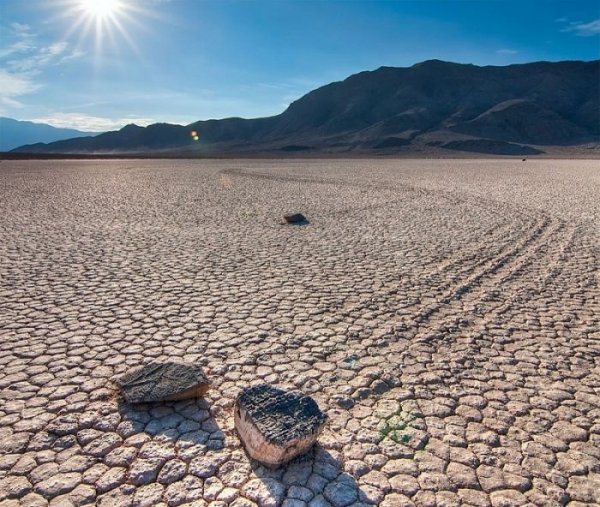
{"points": [[168, 381], [295, 218], [275, 425]]}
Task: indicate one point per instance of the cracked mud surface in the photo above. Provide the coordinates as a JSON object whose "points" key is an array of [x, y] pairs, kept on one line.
{"points": [[444, 314]]}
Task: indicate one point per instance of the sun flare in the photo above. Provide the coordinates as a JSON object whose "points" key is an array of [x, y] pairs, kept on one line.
{"points": [[106, 22], [110, 26], [100, 8]]}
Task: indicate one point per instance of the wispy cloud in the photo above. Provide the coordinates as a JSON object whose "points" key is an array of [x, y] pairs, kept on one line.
{"points": [[506, 51], [82, 121], [22, 40], [582, 29], [41, 57], [11, 103], [21, 46], [20, 27], [23, 60], [15, 85]]}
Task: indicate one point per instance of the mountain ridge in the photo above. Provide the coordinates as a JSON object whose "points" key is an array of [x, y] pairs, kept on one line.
{"points": [[431, 105], [15, 133]]}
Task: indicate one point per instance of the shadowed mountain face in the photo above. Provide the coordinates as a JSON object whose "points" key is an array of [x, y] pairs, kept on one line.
{"points": [[14, 133], [431, 104]]}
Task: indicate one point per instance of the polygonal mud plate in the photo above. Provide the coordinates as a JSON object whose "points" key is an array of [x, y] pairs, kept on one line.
{"points": [[169, 381], [274, 425]]}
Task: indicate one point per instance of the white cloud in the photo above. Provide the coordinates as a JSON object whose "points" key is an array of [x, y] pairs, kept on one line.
{"points": [[55, 49], [21, 46], [20, 27], [583, 29], [23, 60], [506, 51], [22, 40], [12, 103], [14, 84], [72, 55], [81, 121], [39, 58]]}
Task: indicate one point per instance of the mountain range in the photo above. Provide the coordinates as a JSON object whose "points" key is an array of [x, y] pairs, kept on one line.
{"points": [[15, 133], [434, 105]]}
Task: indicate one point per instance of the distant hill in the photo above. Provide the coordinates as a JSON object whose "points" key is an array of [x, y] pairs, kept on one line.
{"points": [[15, 133], [434, 105]]}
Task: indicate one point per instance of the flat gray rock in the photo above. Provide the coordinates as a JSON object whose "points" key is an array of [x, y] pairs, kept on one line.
{"points": [[169, 381], [276, 425]]}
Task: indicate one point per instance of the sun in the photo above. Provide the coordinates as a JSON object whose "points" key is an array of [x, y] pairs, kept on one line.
{"points": [[100, 8], [104, 23]]}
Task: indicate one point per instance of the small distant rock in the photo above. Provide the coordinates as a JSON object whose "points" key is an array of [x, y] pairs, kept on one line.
{"points": [[276, 425], [169, 381], [295, 218]]}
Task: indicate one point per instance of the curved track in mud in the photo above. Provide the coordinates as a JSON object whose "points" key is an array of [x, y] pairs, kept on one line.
{"points": [[445, 314]]}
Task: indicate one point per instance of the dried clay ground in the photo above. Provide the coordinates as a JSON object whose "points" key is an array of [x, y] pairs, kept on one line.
{"points": [[445, 315]]}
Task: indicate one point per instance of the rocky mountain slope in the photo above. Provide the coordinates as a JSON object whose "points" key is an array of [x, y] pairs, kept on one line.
{"points": [[515, 109]]}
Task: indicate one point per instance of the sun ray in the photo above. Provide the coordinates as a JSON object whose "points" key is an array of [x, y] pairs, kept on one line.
{"points": [[103, 19], [99, 39], [77, 24], [123, 33], [105, 29]]}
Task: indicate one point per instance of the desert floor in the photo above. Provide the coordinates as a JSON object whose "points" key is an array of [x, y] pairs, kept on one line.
{"points": [[445, 314]]}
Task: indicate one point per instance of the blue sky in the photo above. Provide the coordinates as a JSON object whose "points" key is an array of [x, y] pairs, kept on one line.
{"points": [[185, 60]]}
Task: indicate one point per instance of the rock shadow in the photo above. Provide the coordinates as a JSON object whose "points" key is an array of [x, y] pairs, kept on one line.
{"points": [[316, 477], [191, 421], [297, 224]]}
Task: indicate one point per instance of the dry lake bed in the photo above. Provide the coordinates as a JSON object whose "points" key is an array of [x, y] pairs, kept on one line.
{"points": [[445, 314]]}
